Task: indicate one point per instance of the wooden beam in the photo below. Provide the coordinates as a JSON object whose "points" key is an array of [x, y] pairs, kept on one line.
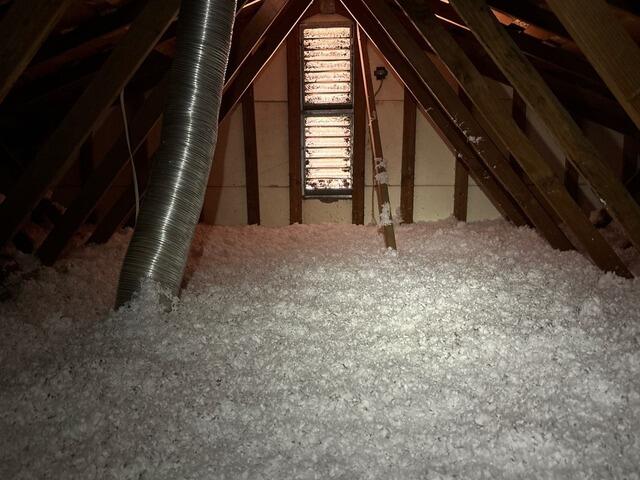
{"points": [[58, 153], [607, 45], [248, 39], [22, 31], [408, 157], [380, 179], [295, 127], [499, 119], [461, 182], [526, 80], [475, 135], [105, 174], [150, 114], [460, 191], [359, 147], [251, 158], [275, 36], [443, 124]]}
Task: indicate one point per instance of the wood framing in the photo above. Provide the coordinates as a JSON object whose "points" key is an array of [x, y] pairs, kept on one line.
{"points": [[295, 127], [528, 82], [246, 40], [104, 175], [22, 31], [607, 45], [275, 36], [460, 191], [446, 128], [475, 135], [408, 157], [250, 158], [503, 126], [58, 153], [359, 147], [381, 178]]}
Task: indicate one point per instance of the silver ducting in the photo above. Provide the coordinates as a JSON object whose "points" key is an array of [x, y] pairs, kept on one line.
{"points": [[174, 198]]}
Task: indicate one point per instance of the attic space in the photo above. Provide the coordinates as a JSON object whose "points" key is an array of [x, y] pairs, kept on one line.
{"points": [[319, 239]]}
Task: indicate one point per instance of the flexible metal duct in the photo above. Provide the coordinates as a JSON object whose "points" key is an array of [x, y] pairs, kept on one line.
{"points": [[174, 198]]}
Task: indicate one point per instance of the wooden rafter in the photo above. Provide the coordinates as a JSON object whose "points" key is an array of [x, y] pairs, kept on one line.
{"points": [[58, 153], [476, 136], [143, 121], [247, 39], [607, 45], [275, 36], [570, 77], [526, 80], [250, 158], [380, 169], [408, 156], [22, 31], [499, 119], [105, 174], [443, 124]]}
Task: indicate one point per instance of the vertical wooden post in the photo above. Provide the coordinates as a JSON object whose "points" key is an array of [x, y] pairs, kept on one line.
{"points": [[408, 157], [251, 158], [359, 147], [460, 191], [295, 132], [461, 184], [381, 176]]}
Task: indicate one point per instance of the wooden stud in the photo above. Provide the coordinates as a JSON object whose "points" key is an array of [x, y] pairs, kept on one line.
{"points": [[359, 147], [460, 191], [295, 127], [251, 158], [461, 183], [380, 169], [58, 153], [447, 130], [23, 29], [608, 46], [408, 157], [475, 135], [503, 126]]}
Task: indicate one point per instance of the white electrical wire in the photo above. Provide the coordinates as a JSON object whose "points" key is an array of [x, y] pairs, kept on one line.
{"points": [[133, 166]]}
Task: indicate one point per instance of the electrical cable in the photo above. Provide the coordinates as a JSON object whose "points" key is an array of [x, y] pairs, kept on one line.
{"points": [[133, 165]]}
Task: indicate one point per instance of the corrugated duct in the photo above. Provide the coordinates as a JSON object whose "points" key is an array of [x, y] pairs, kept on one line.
{"points": [[173, 201]]}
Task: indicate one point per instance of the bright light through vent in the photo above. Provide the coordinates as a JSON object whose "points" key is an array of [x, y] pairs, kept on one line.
{"points": [[327, 152], [327, 65], [328, 116]]}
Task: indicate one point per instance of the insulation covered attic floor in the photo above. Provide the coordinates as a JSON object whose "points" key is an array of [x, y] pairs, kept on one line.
{"points": [[309, 352]]}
